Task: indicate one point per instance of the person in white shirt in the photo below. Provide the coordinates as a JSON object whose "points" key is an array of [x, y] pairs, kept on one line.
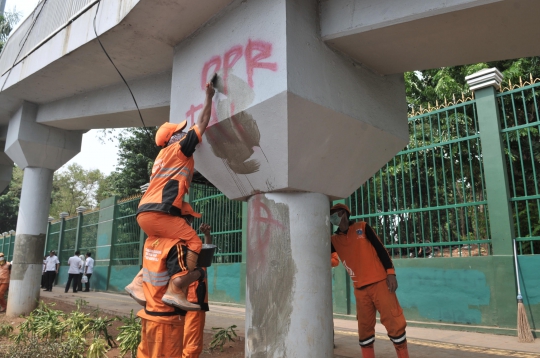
{"points": [[51, 269], [81, 272], [88, 270], [75, 264]]}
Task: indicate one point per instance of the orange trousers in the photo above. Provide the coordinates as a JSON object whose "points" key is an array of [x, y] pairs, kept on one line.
{"points": [[371, 299], [3, 289], [160, 340], [165, 226], [193, 334]]}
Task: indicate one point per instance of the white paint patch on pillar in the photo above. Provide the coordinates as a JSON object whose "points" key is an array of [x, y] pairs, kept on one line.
{"points": [[288, 293]]}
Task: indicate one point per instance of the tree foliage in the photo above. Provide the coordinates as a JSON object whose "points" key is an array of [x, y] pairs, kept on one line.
{"points": [[8, 20], [136, 154], [9, 201], [74, 187], [436, 85]]}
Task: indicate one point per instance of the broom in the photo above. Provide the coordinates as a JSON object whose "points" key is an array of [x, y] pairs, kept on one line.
{"points": [[524, 330]]}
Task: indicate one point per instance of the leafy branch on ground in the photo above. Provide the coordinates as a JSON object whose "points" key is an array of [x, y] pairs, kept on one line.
{"points": [[222, 336], [130, 334], [47, 332]]}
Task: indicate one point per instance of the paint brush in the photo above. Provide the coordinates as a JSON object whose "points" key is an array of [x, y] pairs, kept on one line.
{"points": [[217, 82]]}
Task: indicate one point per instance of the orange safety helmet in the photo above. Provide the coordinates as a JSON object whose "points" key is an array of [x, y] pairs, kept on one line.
{"points": [[341, 207], [166, 131], [188, 210]]}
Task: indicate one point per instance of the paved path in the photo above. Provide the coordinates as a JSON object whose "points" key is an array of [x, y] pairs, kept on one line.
{"points": [[423, 342]]}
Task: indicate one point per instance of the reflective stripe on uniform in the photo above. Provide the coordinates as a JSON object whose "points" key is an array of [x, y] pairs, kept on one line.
{"points": [[171, 172], [398, 340], [156, 278], [367, 342]]}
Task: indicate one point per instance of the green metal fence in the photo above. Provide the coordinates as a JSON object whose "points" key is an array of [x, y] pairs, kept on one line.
{"points": [[53, 237], [126, 238], [429, 200], [69, 237], [225, 218], [7, 240], [88, 232], [520, 130]]}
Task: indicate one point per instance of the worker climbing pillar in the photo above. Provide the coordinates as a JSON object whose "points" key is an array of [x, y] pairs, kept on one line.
{"points": [[39, 150], [294, 125]]}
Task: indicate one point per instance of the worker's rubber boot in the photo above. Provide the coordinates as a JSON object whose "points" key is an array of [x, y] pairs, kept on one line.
{"points": [[191, 260], [135, 289], [368, 351], [176, 294], [402, 350]]}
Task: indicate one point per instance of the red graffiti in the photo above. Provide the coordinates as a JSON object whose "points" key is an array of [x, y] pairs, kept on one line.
{"points": [[262, 216], [254, 53], [215, 63], [264, 50], [191, 113]]}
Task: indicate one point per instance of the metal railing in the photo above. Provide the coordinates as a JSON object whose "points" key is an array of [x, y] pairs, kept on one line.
{"points": [[126, 243], [429, 200], [225, 218], [520, 131], [49, 17]]}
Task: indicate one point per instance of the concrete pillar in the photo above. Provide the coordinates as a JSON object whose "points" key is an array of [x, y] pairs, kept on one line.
{"points": [[39, 150], [291, 118], [30, 241], [288, 286]]}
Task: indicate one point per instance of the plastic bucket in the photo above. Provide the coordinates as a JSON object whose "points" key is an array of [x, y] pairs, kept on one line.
{"points": [[206, 255]]}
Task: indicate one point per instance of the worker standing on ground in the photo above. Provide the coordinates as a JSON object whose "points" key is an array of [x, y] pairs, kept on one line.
{"points": [[197, 293], [5, 273], [372, 272]]}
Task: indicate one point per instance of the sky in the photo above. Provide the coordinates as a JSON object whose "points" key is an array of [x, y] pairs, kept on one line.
{"points": [[94, 154]]}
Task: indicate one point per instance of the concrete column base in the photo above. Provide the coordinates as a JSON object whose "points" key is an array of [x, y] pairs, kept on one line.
{"points": [[25, 279], [288, 285]]}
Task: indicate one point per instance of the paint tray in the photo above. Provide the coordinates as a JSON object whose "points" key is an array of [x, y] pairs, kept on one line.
{"points": [[206, 255]]}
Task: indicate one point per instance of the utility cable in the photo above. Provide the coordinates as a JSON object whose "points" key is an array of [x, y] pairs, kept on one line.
{"points": [[24, 43], [123, 79]]}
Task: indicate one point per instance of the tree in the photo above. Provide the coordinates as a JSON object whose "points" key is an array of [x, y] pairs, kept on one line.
{"points": [[74, 187], [136, 154], [9, 201], [435, 85], [8, 20]]}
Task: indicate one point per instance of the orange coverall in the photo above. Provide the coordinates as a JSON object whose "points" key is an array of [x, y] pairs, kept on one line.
{"points": [[4, 284], [368, 264], [162, 325], [194, 327]]}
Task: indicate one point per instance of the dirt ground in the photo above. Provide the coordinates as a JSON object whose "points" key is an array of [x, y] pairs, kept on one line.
{"points": [[230, 350]]}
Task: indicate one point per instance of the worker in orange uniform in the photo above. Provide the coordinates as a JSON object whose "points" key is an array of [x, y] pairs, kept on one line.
{"points": [[5, 273], [197, 293], [374, 278], [160, 210]]}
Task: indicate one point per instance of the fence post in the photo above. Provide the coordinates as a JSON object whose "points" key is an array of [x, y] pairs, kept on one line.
{"points": [[63, 217], [105, 239], [80, 210], [484, 84], [49, 223]]}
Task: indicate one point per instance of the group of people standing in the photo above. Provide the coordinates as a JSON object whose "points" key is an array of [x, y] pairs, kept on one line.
{"points": [[79, 268]]}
